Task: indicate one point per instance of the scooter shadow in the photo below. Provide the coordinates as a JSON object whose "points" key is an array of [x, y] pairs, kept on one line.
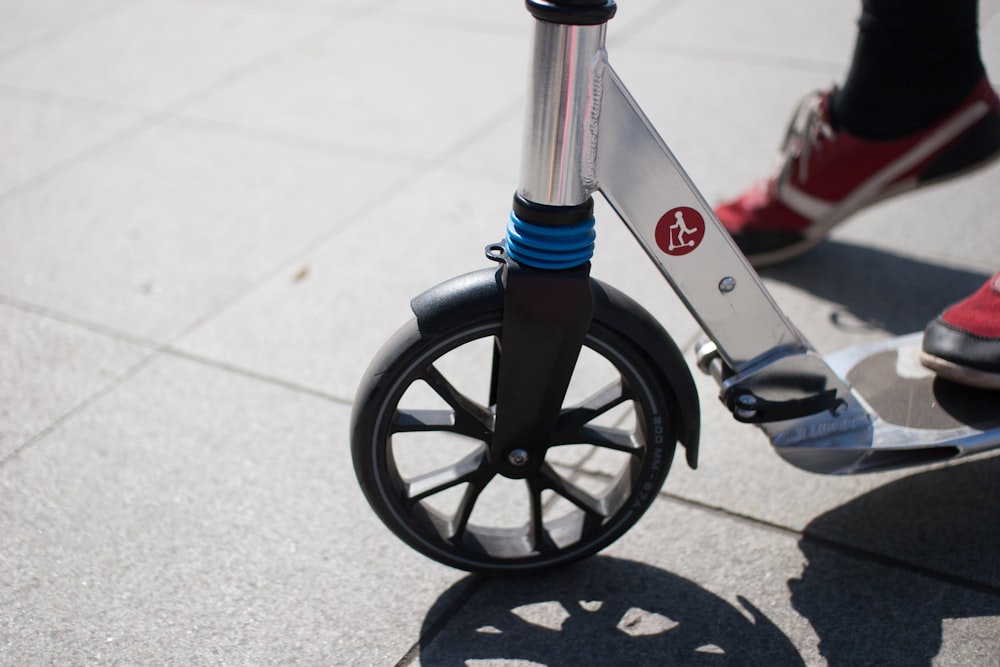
{"points": [[937, 538], [878, 289], [603, 611], [883, 575]]}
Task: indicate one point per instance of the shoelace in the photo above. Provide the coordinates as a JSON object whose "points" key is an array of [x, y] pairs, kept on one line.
{"points": [[806, 131]]}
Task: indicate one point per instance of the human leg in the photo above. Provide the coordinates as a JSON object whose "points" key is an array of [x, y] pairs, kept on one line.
{"points": [[914, 62], [916, 108]]}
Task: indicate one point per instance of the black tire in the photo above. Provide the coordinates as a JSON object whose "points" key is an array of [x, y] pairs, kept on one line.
{"points": [[419, 443]]}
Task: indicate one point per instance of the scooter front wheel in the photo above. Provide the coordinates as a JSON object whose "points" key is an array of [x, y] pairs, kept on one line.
{"points": [[423, 421]]}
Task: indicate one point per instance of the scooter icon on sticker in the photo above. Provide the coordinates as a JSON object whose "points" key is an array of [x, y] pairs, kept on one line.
{"points": [[680, 231]]}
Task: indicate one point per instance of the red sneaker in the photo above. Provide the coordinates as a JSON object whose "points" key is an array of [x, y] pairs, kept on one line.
{"points": [[963, 344], [823, 175]]}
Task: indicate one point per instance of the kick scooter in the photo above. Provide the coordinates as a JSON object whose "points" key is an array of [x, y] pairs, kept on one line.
{"points": [[528, 415]]}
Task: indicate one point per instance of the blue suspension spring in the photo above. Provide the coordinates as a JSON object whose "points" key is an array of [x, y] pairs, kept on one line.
{"points": [[550, 247]]}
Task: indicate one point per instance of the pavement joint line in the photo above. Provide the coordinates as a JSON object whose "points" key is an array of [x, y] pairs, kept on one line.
{"points": [[476, 582], [753, 59], [369, 10], [80, 407], [159, 352], [174, 114], [73, 102], [898, 563], [254, 375], [151, 117], [164, 348], [71, 320], [295, 258], [843, 548], [58, 30], [392, 190], [463, 24], [169, 349], [444, 159], [143, 124], [639, 22], [277, 137], [254, 65]]}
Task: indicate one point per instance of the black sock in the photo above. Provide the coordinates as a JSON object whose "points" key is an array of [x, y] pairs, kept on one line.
{"points": [[914, 61]]}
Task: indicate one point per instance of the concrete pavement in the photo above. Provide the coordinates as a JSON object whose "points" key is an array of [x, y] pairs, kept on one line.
{"points": [[214, 212]]}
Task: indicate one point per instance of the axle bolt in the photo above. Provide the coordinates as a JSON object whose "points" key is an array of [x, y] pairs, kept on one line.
{"points": [[746, 406], [518, 457]]}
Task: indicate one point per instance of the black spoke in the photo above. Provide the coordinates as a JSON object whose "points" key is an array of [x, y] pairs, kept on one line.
{"points": [[538, 535], [468, 469], [494, 370], [466, 505], [469, 418], [433, 377], [594, 507], [607, 438], [423, 420], [572, 419]]}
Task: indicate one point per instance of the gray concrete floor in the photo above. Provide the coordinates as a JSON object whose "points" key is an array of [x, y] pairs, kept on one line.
{"points": [[214, 212]]}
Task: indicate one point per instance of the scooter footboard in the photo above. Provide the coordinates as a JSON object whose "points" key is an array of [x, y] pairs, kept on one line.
{"points": [[916, 416], [884, 409]]}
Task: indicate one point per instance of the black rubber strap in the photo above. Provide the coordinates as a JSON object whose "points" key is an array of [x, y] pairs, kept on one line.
{"points": [[573, 12], [764, 410], [552, 216]]}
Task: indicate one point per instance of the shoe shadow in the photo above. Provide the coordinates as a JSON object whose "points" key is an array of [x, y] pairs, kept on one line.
{"points": [[940, 525], [878, 289], [603, 611]]}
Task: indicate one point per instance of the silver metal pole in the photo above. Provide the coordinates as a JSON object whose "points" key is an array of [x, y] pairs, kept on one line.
{"points": [[563, 109]]}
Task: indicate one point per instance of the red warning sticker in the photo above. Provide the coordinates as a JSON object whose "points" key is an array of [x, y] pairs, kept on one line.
{"points": [[680, 231]]}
